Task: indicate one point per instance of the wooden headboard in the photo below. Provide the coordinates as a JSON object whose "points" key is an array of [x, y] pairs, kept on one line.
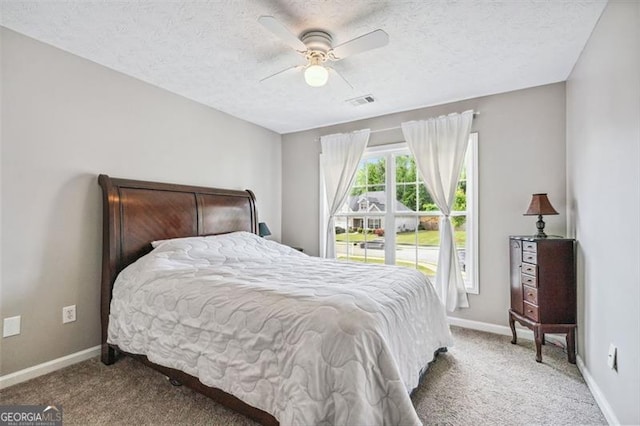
{"points": [[135, 213]]}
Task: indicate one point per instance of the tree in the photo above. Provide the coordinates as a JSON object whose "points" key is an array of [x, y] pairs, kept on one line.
{"points": [[370, 176], [460, 204]]}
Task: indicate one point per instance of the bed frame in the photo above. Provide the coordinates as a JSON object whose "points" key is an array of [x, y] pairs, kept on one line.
{"points": [[135, 213]]}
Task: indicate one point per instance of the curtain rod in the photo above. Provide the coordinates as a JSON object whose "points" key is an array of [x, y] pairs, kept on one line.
{"points": [[475, 114], [386, 129]]}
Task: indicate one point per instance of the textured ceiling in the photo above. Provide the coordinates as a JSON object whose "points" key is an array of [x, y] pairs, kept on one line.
{"points": [[215, 52]]}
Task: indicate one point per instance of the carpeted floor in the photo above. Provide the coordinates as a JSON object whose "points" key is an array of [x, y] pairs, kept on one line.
{"points": [[483, 379]]}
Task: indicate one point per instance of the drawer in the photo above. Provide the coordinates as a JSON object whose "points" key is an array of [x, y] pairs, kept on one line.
{"points": [[529, 269], [530, 294], [529, 246], [529, 280], [531, 311], [529, 257]]}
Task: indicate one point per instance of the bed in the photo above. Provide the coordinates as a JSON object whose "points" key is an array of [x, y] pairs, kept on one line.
{"points": [[277, 335]]}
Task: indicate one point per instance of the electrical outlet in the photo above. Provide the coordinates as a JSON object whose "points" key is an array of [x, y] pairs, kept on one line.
{"points": [[11, 326], [68, 314], [612, 359]]}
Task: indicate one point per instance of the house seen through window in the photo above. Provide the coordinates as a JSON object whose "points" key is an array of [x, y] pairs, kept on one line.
{"points": [[389, 217]]}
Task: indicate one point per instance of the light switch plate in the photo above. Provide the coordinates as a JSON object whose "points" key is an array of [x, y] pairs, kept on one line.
{"points": [[11, 326]]}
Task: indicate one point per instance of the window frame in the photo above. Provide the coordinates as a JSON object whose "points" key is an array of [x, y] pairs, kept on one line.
{"points": [[389, 152]]}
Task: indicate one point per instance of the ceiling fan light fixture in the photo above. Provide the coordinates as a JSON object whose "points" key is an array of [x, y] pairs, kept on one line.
{"points": [[316, 75]]}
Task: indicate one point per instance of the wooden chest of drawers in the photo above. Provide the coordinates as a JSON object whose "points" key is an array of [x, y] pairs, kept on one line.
{"points": [[543, 288]]}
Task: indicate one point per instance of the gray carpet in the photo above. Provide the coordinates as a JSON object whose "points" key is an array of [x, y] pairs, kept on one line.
{"points": [[483, 379]]}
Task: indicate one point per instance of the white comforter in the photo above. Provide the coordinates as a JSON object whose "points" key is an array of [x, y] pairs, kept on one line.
{"points": [[309, 340]]}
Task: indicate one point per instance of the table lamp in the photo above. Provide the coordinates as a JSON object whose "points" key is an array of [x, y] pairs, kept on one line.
{"points": [[540, 206], [263, 230]]}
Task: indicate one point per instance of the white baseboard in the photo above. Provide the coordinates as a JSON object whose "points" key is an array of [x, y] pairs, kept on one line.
{"points": [[523, 333], [47, 367], [485, 326], [604, 405]]}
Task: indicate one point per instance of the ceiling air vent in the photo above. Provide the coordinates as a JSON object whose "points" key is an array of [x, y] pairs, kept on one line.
{"points": [[361, 100]]}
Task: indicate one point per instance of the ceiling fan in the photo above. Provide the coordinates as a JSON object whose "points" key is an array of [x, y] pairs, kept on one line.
{"points": [[315, 46]]}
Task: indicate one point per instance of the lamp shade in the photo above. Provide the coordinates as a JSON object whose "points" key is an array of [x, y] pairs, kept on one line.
{"points": [[263, 230], [540, 205]]}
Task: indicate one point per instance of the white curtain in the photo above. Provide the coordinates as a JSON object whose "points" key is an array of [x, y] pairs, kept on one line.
{"points": [[341, 154], [439, 146]]}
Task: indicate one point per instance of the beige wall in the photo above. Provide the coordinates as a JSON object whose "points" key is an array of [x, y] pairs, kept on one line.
{"points": [[603, 187], [521, 151], [65, 120]]}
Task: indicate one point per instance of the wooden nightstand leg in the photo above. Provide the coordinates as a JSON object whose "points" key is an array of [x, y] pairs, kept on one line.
{"points": [[571, 345], [512, 324], [537, 333], [544, 341]]}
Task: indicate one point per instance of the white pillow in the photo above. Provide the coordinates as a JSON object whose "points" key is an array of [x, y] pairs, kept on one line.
{"points": [[200, 238]]}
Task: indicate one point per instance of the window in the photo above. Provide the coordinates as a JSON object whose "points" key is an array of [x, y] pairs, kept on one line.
{"points": [[390, 218]]}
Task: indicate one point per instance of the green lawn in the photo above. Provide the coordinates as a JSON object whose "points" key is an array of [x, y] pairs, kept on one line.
{"points": [[422, 268], [425, 238]]}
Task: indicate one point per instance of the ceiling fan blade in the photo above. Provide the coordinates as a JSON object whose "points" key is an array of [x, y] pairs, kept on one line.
{"points": [[273, 25], [281, 72], [335, 71], [372, 40]]}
